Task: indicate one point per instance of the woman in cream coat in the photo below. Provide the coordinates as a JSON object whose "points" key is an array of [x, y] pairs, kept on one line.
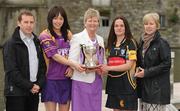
{"points": [[87, 85]]}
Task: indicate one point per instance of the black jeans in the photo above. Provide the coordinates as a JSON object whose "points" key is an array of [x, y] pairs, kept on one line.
{"points": [[22, 103]]}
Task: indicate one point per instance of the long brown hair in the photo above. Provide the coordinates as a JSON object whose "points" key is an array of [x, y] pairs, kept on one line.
{"points": [[54, 12], [112, 38]]}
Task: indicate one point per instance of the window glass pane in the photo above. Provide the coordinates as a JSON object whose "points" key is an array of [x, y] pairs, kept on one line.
{"points": [[162, 20], [101, 2], [105, 21]]}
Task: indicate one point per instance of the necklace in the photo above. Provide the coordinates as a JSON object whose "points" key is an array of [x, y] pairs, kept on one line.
{"points": [[93, 41]]}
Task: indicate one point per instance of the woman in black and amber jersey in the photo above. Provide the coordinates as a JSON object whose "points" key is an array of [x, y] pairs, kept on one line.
{"points": [[121, 85]]}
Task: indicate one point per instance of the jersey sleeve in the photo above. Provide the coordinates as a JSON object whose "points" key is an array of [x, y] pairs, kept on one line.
{"points": [[132, 50], [48, 44]]}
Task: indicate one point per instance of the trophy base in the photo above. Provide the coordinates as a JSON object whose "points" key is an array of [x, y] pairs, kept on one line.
{"points": [[92, 67]]}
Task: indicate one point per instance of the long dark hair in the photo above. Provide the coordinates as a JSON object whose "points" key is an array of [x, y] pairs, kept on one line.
{"points": [[54, 12], [112, 38]]}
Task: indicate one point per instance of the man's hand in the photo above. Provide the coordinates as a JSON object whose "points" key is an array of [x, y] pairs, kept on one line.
{"points": [[35, 89]]}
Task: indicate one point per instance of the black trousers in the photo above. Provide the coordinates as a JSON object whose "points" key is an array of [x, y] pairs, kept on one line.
{"points": [[22, 103]]}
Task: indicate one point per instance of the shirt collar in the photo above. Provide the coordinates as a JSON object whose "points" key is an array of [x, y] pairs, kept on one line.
{"points": [[25, 37]]}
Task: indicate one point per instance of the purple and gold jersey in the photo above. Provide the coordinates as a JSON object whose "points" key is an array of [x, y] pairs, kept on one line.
{"points": [[51, 46]]}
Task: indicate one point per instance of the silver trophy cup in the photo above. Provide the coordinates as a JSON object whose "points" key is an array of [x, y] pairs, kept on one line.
{"points": [[89, 52]]}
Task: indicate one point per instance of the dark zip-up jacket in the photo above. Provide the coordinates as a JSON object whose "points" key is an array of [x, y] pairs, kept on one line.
{"points": [[155, 86], [16, 66]]}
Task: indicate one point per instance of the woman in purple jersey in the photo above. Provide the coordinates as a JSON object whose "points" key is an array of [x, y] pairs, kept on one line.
{"points": [[55, 43]]}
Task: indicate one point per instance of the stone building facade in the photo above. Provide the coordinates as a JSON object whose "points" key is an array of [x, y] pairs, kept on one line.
{"points": [[133, 10]]}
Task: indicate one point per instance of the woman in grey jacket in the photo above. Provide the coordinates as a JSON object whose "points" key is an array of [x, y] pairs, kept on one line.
{"points": [[154, 61]]}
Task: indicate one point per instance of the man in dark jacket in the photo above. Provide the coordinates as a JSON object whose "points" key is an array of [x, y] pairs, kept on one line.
{"points": [[24, 66]]}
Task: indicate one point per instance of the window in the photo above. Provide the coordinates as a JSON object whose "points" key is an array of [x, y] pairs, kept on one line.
{"points": [[101, 2], [162, 20], [25, 2], [105, 21]]}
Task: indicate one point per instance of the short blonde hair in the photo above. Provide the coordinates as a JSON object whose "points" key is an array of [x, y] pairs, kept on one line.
{"points": [[154, 16], [91, 13]]}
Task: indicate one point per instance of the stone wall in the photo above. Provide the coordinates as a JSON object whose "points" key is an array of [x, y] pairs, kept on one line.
{"points": [[9, 10], [133, 10], [75, 10]]}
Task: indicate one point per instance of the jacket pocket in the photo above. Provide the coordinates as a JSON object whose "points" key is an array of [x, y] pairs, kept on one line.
{"points": [[153, 54], [155, 87]]}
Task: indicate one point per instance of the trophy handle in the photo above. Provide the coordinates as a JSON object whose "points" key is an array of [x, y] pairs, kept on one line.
{"points": [[82, 49]]}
